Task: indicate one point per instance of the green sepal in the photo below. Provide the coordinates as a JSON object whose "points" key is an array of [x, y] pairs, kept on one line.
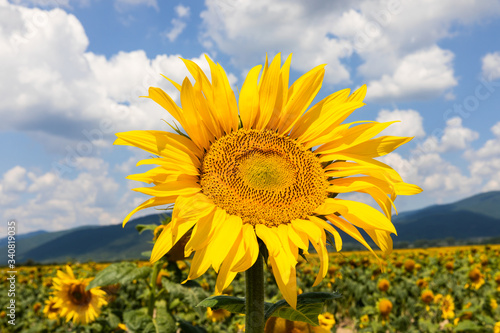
{"points": [[142, 227]]}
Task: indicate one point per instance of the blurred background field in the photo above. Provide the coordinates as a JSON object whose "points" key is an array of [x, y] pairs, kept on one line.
{"points": [[445, 289]]}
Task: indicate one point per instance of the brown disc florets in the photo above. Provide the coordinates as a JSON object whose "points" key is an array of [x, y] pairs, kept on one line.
{"points": [[263, 177]]}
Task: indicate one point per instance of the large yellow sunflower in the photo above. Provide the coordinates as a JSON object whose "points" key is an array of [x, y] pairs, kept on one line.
{"points": [[263, 169], [73, 301]]}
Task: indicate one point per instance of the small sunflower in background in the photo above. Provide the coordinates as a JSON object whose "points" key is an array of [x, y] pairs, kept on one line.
{"points": [[383, 285], [261, 168], [384, 307], [73, 301], [50, 309], [447, 307]]}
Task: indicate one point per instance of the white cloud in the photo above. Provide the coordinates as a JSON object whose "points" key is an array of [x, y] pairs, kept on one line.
{"points": [[491, 66], [182, 11], [421, 75], [443, 181], [243, 30], [179, 23], [440, 180], [454, 137], [485, 161], [51, 202], [54, 89], [177, 28], [410, 125], [14, 180], [398, 55]]}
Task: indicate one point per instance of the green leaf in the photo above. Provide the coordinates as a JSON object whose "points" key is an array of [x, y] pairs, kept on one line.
{"points": [[189, 293], [138, 321], [146, 254], [142, 227], [309, 306], [230, 303], [467, 326], [122, 273], [164, 322], [188, 328]]}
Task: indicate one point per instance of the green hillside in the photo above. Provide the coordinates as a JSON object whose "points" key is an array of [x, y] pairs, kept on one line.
{"points": [[90, 243]]}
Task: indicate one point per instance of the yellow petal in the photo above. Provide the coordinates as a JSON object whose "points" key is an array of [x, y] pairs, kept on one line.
{"points": [[382, 239], [359, 214], [224, 238], [157, 201], [161, 143], [300, 95], [181, 187], [289, 289], [269, 238], [249, 98], [226, 275], [268, 91], [319, 113], [350, 230], [251, 250]]}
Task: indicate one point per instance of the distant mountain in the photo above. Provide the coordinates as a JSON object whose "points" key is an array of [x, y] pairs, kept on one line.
{"points": [[88, 243], [4, 240], [474, 217]]}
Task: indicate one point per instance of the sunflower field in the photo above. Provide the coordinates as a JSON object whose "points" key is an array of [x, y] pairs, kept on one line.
{"points": [[454, 289]]}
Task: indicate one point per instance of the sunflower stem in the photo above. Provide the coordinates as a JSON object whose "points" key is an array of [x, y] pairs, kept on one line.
{"points": [[152, 289], [254, 310]]}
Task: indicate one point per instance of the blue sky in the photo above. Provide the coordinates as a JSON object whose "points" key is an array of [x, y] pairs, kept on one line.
{"points": [[72, 71]]}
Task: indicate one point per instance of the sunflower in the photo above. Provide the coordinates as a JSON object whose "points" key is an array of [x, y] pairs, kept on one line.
{"points": [[447, 307], [427, 296], [476, 278], [384, 307], [263, 170], [50, 309], [76, 303], [383, 285]]}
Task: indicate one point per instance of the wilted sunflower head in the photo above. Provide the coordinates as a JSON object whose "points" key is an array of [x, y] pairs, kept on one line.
{"points": [[259, 169], [74, 302]]}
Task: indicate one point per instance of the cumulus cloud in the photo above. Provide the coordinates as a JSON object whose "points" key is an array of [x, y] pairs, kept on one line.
{"points": [[421, 75], [398, 56], [455, 137], [242, 29], [491, 66], [441, 180], [14, 180], [50, 202], [411, 122], [56, 90], [444, 181]]}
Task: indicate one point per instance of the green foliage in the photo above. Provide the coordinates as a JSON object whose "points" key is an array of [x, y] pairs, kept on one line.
{"points": [[309, 306], [122, 273]]}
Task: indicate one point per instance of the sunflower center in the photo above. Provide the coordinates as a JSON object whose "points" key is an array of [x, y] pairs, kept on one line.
{"points": [[262, 177], [265, 170], [78, 295]]}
